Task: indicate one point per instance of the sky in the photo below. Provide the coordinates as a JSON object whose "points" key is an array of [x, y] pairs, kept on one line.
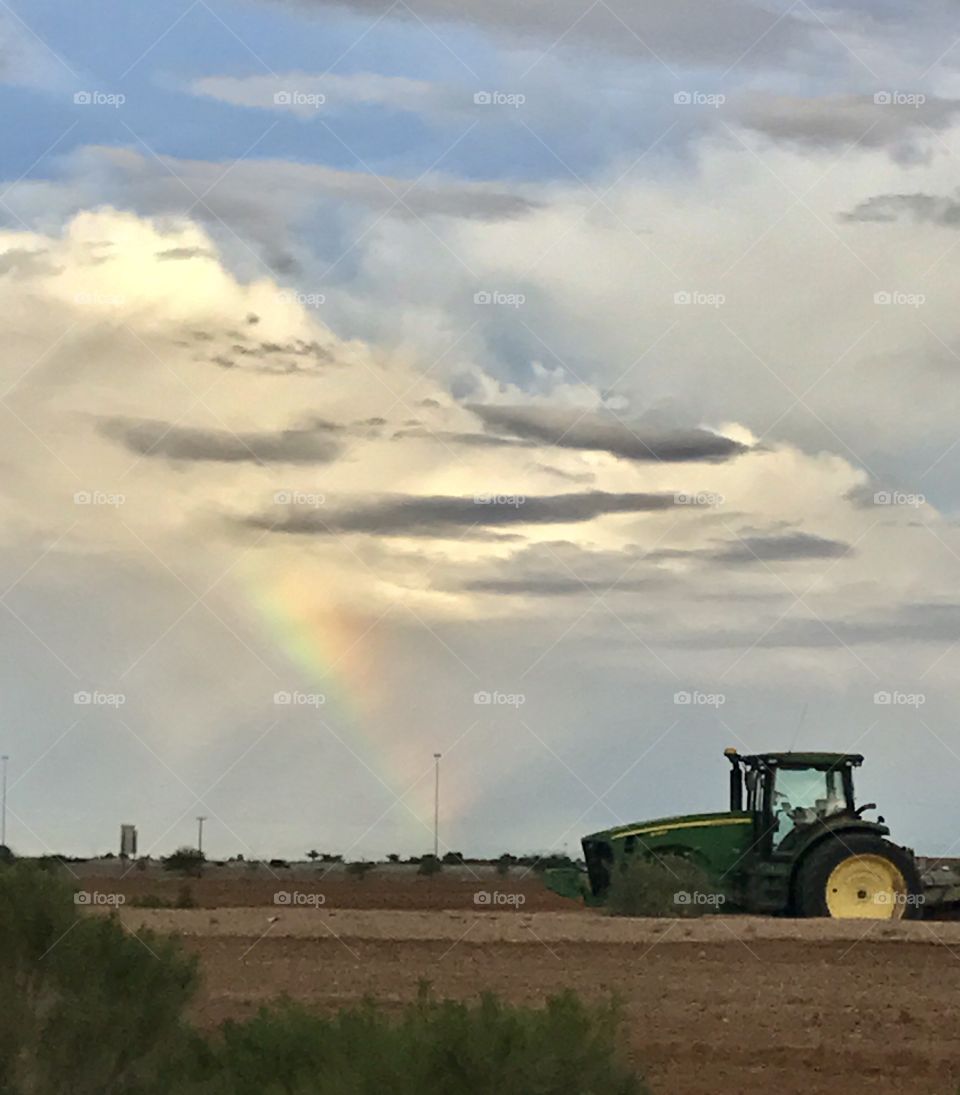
{"points": [[566, 389]]}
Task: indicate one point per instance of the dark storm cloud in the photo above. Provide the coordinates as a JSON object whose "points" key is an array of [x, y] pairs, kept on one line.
{"points": [[150, 437], [724, 32], [440, 515], [845, 119], [569, 428], [756, 550], [919, 208], [778, 549]]}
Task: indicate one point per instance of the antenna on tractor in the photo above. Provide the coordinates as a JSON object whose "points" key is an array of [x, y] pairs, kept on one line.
{"points": [[796, 733]]}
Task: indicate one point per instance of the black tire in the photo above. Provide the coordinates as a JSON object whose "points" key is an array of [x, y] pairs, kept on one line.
{"points": [[816, 867]]}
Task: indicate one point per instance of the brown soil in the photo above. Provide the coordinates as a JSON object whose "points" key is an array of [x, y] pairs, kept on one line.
{"points": [[379, 890], [719, 1006]]}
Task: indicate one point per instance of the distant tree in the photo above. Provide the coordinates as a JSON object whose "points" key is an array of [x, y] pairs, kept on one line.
{"points": [[6, 856], [327, 858], [313, 855], [429, 865], [279, 863], [185, 860], [393, 858], [453, 859]]}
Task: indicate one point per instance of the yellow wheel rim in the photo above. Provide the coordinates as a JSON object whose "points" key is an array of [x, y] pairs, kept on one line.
{"points": [[867, 887]]}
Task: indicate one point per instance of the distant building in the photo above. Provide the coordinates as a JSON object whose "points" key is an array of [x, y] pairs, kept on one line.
{"points": [[128, 841]]}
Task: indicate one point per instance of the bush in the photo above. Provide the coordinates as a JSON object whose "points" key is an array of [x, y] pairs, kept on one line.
{"points": [[444, 1048], [658, 887], [429, 865], [453, 859], [360, 868], [185, 898], [87, 1008], [188, 861]]}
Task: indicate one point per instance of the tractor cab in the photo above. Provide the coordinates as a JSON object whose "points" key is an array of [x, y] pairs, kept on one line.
{"points": [[792, 796]]}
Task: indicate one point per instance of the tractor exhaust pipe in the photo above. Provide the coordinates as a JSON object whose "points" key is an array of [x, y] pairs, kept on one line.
{"points": [[736, 780]]}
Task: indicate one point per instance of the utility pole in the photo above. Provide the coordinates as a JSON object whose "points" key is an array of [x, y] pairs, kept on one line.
{"points": [[3, 809], [436, 806], [200, 821]]}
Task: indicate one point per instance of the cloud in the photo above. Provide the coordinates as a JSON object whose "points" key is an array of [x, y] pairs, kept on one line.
{"points": [[445, 515], [919, 208], [780, 548], [179, 253], [878, 120], [693, 31], [312, 445], [575, 429], [315, 96]]}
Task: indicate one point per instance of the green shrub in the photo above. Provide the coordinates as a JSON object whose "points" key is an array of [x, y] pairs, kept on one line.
{"points": [[440, 1048], [86, 1008], [185, 898], [360, 868], [668, 886], [187, 861], [429, 865]]}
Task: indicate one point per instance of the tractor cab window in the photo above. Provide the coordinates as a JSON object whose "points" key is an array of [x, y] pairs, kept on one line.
{"points": [[802, 797]]}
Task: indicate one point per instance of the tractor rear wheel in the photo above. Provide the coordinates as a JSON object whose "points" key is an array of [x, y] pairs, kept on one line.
{"points": [[858, 876]]}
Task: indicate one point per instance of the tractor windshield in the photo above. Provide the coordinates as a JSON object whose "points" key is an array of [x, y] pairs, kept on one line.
{"points": [[802, 796]]}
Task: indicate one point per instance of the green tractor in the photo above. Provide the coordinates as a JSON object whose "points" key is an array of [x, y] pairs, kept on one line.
{"points": [[793, 842]]}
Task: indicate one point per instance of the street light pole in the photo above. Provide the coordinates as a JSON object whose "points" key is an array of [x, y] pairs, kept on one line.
{"points": [[3, 809], [436, 806], [200, 821]]}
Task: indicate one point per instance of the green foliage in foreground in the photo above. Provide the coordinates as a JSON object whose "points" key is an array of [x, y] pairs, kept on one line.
{"points": [[89, 1009], [667, 886], [434, 1047]]}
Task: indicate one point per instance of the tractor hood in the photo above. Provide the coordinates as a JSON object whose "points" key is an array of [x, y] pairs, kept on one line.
{"points": [[715, 841], [659, 827]]}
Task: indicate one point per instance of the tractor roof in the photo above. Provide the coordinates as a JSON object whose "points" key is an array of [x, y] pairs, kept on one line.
{"points": [[801, 760]]}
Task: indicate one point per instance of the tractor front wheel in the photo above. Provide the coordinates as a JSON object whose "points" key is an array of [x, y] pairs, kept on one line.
{"points": [[858, 876]]}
